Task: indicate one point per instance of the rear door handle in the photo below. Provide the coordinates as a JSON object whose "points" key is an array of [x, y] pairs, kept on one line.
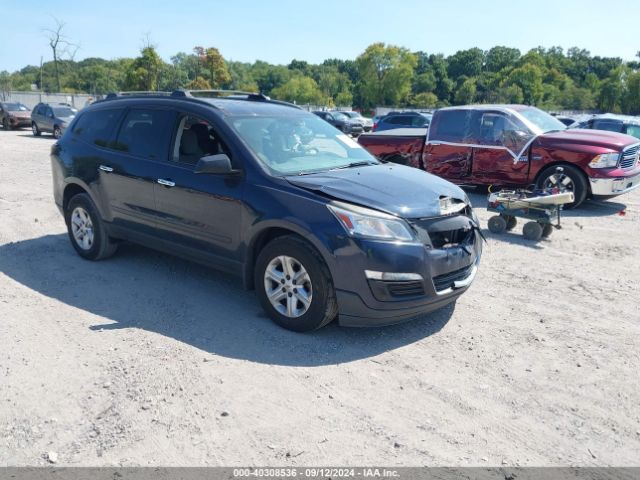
{"points": [[105, 168], [166, 183]]}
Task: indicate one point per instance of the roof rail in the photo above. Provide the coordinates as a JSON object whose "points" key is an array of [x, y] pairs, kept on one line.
{"points": [[238, 94], [231, 95], [140, 93]]}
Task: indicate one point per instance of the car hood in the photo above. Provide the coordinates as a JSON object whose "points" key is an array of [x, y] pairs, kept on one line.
{"points": [[403, 191], [588, 138], [66, 119]]}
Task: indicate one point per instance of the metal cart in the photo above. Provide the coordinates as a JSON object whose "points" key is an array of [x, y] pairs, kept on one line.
{"points": [[541, 207]]}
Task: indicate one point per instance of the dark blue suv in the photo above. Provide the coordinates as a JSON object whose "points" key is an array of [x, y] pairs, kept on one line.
{"points": [[269, 192]]}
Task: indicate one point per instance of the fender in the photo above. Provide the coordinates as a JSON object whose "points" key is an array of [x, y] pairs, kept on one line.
{"points": [[294, 225]]}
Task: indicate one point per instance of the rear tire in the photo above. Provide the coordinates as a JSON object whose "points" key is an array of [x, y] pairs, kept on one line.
{"points": [[532, 231], [497, 224], [86, 229], [576, 179], [276, 289], [35, 130]]}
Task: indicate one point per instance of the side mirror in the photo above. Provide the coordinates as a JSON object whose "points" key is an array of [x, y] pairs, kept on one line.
{"points": [[219, 164]]}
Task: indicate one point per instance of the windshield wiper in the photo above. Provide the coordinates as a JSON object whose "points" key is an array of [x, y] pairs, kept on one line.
{"points": [[355, 164]]}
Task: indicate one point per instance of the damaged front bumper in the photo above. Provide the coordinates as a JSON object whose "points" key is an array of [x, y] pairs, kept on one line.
{"points": [[383, 283]]}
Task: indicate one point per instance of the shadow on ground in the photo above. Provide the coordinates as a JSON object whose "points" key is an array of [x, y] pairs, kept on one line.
{"points": [[144, 289]]}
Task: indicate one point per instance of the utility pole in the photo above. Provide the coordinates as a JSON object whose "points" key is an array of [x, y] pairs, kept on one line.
{"points": [[41, 78]]}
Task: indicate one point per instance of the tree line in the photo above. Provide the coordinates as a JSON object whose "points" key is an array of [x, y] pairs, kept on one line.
{"points": [[382, 75]]}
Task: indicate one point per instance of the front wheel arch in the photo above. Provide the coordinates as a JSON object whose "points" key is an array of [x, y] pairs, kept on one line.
{"points": [[262, 237]]}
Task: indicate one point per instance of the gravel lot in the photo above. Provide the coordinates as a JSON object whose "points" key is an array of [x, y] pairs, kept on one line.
{"points": [[145, 359]]}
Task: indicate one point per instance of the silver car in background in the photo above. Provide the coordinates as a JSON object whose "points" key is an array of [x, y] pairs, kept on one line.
{"points": [[51, 118]]}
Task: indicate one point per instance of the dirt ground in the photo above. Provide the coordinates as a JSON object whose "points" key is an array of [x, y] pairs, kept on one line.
{"points": [[145, 359]]}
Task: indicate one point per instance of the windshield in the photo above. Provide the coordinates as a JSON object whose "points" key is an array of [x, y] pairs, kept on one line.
{"points": [[16, 107], [299, 144], [63, 112], [340, 116], [541, 120]]}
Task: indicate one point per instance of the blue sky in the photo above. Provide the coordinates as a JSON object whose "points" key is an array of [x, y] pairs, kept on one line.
{"points": [[280, 30]]}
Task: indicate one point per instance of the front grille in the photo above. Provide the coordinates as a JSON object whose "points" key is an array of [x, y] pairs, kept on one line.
{"points": [[446, 231], [405, 289], [442, 282], [629, 156]]}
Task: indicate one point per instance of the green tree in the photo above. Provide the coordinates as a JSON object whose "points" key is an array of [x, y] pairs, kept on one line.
{"points": [[217, 67], [200, 83], [143, 72], [424, 100], [300, 89], [385, 74], [466, 62], [529, 79], [500, 57], [466, 92]]}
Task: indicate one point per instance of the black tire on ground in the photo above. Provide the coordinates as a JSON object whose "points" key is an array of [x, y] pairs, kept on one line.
{"points": [[57, 132], [532, 231], [497, 224], [580, 186], [511, 221], [547, 230], [102, 246], [35, 130], [324, 306], [5, 124]]}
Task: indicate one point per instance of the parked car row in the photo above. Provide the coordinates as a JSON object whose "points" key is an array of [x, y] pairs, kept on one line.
{"points": [[45, 117], [308, 218]]}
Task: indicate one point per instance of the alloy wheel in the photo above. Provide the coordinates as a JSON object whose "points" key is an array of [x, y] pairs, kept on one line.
{"points": [[559, 180], [82, 228], [288, 286]]}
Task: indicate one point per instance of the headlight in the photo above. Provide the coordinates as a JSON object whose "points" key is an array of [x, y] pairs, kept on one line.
{"points": [[363, 222], [606, 160]]}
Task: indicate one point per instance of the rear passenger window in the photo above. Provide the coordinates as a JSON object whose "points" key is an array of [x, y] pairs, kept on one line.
{"points": [[96, 127], [450, 126], [145, 133]]}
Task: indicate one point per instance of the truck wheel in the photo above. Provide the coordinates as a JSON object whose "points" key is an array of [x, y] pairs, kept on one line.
{"points": [[497, 224], [547, 230], [532, 231], [511, 221], [294, 285], [570, 179], [86, 229]]}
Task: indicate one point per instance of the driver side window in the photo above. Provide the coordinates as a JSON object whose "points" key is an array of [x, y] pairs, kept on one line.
{"points": [[500, 130], [195, 139]]}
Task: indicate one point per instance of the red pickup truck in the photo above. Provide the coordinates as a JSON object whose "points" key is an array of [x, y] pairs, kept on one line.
{"points": [[514, 145]]}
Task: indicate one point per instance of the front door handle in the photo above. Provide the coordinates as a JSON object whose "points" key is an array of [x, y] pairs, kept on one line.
{"points": [[105, 168], [166, 183]]}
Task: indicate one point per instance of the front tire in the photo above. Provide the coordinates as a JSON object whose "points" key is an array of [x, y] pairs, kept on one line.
{"points": [[294, 285], [86, 229], [570, 178], [35, 130], [57, 132], [5, 124]]}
